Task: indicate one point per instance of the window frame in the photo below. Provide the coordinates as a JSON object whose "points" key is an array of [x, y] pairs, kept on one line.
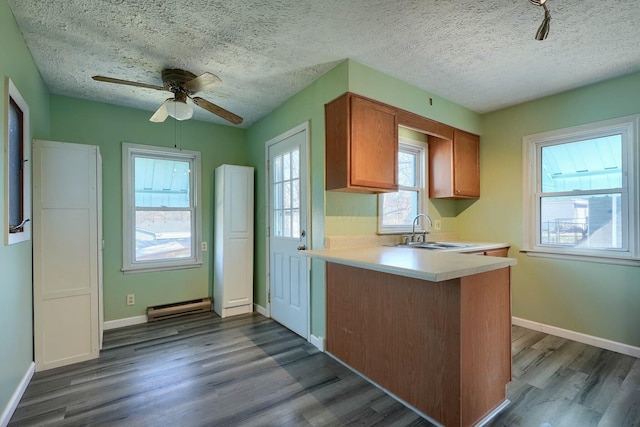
{"points": [[421, 149], [278, 202], [628, 127], [129, 264], [13, 96]]}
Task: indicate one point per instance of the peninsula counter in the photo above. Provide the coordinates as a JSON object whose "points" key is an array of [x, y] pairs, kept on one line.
{"points": [[433, 328]]}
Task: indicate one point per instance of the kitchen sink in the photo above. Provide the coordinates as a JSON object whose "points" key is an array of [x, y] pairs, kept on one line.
{"points": [[434, 245]]}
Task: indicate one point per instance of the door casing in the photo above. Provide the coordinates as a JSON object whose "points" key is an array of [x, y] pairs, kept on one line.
{"points": [[304, 162]]}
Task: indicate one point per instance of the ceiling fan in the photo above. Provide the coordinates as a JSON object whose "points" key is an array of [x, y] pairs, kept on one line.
{"points": [[183, 84]]}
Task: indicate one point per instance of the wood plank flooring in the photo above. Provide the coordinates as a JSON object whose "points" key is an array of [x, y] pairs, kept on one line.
{"points": [[247, 370], [559, 382]]}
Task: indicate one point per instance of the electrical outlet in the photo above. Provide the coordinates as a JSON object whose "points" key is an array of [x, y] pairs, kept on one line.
{"points": [[437, 225], [204, 246], [131, 299]]}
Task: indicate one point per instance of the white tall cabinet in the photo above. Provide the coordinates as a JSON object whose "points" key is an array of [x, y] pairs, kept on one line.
{"points": [[67, 253], [233, 237]]}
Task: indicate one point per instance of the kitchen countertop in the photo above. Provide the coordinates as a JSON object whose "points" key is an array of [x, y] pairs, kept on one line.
{"points": [[435, 266]]}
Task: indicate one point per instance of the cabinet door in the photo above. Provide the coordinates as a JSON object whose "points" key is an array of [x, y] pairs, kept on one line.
{"points": [[466, 155], [502, 252], [374, 145]]}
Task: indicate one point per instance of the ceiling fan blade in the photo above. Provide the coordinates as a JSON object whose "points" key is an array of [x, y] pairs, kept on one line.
{"points": [[202, 82], [219, 111], [127, 82], [161, 113]]}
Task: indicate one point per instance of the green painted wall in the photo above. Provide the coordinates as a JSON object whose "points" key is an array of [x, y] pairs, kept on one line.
{"points": [[595, 299], [107, 126], [307, 105], [15, 261], [382, 87], [334, 213]]}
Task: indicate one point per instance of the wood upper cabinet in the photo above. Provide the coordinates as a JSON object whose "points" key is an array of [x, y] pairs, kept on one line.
{"points": [[454, 166], [362, 150], [361, 145]]}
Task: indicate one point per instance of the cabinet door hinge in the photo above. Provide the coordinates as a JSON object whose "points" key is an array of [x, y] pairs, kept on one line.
{"points": [[269, 297]]}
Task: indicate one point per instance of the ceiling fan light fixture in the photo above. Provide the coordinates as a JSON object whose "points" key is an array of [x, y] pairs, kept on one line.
{"points": [[179, 110], [182, 84]]}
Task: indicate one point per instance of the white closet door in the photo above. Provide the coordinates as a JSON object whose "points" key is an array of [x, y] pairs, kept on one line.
{"points": [[65, 253], [233, 273]]}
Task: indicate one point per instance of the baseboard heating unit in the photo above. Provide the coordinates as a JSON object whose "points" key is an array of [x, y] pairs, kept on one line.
{"points": [[168, 311]]}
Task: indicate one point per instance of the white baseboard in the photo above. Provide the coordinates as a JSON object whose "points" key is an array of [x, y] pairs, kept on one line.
{"points": [[127, 321], [578, 336], [317, 342], [260, 309], [16, 396]]}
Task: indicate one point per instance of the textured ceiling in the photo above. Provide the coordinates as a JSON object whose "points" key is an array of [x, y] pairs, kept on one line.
{"points": [[479, 54]]}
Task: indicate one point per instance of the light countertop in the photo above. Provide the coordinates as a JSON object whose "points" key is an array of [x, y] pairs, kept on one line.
{"points": [[435, 266]]}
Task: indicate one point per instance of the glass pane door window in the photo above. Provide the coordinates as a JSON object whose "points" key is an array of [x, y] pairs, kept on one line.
{"points": [[286, 192]]}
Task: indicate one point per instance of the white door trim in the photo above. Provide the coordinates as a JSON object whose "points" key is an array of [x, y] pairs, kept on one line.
{"points": [[303, 127]]}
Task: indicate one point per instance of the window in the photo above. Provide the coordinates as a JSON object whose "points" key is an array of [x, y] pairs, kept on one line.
{"points": [[580, 193], [396, 211], [161, 208], [286, 194], [17, 167]]}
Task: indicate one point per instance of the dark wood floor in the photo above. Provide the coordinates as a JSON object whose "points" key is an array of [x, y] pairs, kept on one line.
{"points": [[249, 371]]}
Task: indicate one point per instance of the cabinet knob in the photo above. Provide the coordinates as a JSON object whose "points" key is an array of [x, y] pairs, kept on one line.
{"points": [[302, 247]]}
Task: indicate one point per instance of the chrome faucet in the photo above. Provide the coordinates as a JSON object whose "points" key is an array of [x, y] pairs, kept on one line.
{"points": [[413, 226]]}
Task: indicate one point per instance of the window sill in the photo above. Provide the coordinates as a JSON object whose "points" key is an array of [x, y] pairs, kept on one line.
{"points": [[580, 257], [151, 269]]}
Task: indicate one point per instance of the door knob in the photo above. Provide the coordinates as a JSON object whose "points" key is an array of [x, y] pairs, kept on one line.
{"points": [[302, 247]]}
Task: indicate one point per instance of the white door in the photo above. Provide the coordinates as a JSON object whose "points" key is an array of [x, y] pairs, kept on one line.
{"points": [[288, 208], [66, 251], [232, 284]]}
